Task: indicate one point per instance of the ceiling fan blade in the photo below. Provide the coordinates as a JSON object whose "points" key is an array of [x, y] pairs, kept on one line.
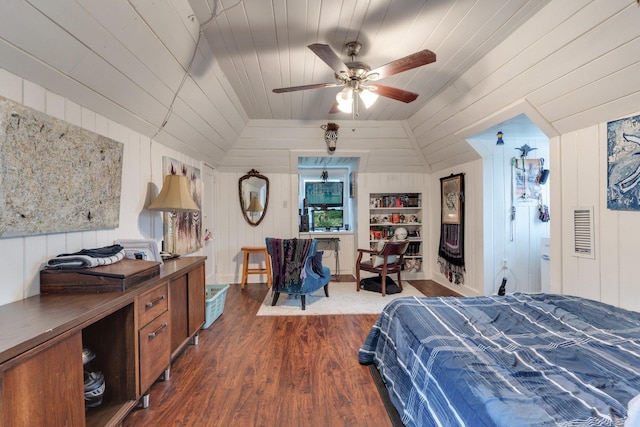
{"points": [[414, 60], [329, 57], [394, 93], [305, 87]]}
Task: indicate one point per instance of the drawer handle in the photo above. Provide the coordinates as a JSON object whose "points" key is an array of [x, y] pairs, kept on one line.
{"points": [[154, 302], [157, 331]]}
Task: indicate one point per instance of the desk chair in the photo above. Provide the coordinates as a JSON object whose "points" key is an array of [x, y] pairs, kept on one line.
{"points": [[387, 260]]}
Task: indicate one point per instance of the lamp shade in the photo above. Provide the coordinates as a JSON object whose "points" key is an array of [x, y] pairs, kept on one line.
{"points": [[174, 196], [368, 97], [255, 205]]}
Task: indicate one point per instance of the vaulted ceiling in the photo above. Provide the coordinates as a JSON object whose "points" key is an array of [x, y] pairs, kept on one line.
{"points": [[566, 65], [262, 45]]}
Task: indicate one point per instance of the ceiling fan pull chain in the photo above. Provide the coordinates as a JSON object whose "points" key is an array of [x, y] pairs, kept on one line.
{"points": [[354, 111]]}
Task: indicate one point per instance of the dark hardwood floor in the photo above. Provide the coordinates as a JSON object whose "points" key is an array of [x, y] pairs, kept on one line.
{"points": [[271, 371]]}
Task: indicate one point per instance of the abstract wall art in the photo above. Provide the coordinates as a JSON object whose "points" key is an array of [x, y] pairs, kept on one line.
{"points": [[623, 164], [54, 176]]}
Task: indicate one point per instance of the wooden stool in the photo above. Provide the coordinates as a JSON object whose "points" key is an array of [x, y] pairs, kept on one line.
{"points": [[245, 265]]}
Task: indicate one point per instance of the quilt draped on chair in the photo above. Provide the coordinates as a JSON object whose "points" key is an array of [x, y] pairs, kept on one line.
{"points": [[289, 256], [294, 268]]}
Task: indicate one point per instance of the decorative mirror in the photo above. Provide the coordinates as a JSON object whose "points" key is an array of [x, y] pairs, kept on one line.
{"points": [[253, 189]]}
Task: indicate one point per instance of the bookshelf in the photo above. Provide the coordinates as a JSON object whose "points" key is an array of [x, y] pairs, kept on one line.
{"points": [[390, 213]]}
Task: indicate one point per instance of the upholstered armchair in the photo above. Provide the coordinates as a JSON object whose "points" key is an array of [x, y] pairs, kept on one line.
{"points": [[297, 268], [386, 260]]}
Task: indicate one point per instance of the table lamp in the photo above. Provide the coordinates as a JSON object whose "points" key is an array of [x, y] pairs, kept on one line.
{"points": [[173, 198]]}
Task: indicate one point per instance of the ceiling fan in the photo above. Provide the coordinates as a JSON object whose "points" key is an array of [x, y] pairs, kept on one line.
{"points": [[357, 77]]}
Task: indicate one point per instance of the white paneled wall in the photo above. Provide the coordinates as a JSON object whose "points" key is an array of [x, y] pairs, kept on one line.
{"points": [[611, 277], [281, 219], [233, 232], [23, 257], [473, 235], [268, 143]]}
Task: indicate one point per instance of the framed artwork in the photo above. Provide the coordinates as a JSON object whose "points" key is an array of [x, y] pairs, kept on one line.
{"points": [[55, 177], [451, 188], [451, 247], [526, 189], [623, 164]]}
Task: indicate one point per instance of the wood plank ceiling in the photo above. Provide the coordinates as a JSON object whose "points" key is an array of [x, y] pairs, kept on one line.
{"points": [[565, 64], [263, 45]]}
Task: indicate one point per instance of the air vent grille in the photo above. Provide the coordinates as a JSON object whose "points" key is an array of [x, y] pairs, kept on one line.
{"points": [[583, 234]]}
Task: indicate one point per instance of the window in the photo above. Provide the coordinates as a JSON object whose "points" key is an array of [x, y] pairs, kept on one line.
{"points": [[325, 196]]}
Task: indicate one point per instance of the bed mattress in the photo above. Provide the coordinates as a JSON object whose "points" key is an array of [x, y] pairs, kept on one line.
{"points": [[516, 360]]}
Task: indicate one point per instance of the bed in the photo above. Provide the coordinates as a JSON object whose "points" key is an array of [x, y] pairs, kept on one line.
{"points": [[515, 360]]}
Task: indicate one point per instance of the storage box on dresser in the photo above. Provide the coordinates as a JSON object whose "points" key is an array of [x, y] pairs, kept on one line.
{"points": [[390, 211], [105, 278], [41, 341]]}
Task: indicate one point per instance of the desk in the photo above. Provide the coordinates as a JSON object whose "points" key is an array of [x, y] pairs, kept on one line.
{"points": [[332, 244], [41, 339], [339, 241]]}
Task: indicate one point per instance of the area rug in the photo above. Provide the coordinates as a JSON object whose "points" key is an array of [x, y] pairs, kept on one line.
{"points": [[343, 299]]}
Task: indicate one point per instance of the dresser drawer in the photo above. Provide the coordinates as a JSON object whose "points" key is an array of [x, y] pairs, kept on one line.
{"points": [[155, 350], [152, 303]]}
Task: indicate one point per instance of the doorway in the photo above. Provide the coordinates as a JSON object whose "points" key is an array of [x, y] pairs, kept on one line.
{"points": [[514, 197], [208, 203]]}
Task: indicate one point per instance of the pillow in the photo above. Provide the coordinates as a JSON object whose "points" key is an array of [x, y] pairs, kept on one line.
{"points": [[379, 260], [316, 263]]}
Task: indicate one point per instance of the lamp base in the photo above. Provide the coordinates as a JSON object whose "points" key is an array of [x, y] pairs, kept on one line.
{"points": [[166, 255]]}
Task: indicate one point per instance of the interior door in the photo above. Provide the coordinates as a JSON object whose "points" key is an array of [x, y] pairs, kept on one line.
{"points": [[209, 197]]}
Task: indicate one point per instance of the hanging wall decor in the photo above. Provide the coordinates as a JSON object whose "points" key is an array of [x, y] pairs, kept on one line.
{"points": [[188, 224], [55, 177], [623, 168], [451, 248], [331, 136], [526, 187]]}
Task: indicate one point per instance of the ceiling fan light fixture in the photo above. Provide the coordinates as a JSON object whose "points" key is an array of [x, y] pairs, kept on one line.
{"points": [[368, 97], [354, 75], [345, 100]]}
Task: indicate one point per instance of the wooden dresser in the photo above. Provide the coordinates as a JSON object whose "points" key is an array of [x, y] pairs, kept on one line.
{"points": [[134, 333]]}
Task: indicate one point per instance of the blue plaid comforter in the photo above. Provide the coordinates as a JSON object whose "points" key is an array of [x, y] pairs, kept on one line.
{"points": [[517, 360]]}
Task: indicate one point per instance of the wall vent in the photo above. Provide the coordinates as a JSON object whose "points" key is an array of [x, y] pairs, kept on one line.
{"points": [[583, 235]]}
